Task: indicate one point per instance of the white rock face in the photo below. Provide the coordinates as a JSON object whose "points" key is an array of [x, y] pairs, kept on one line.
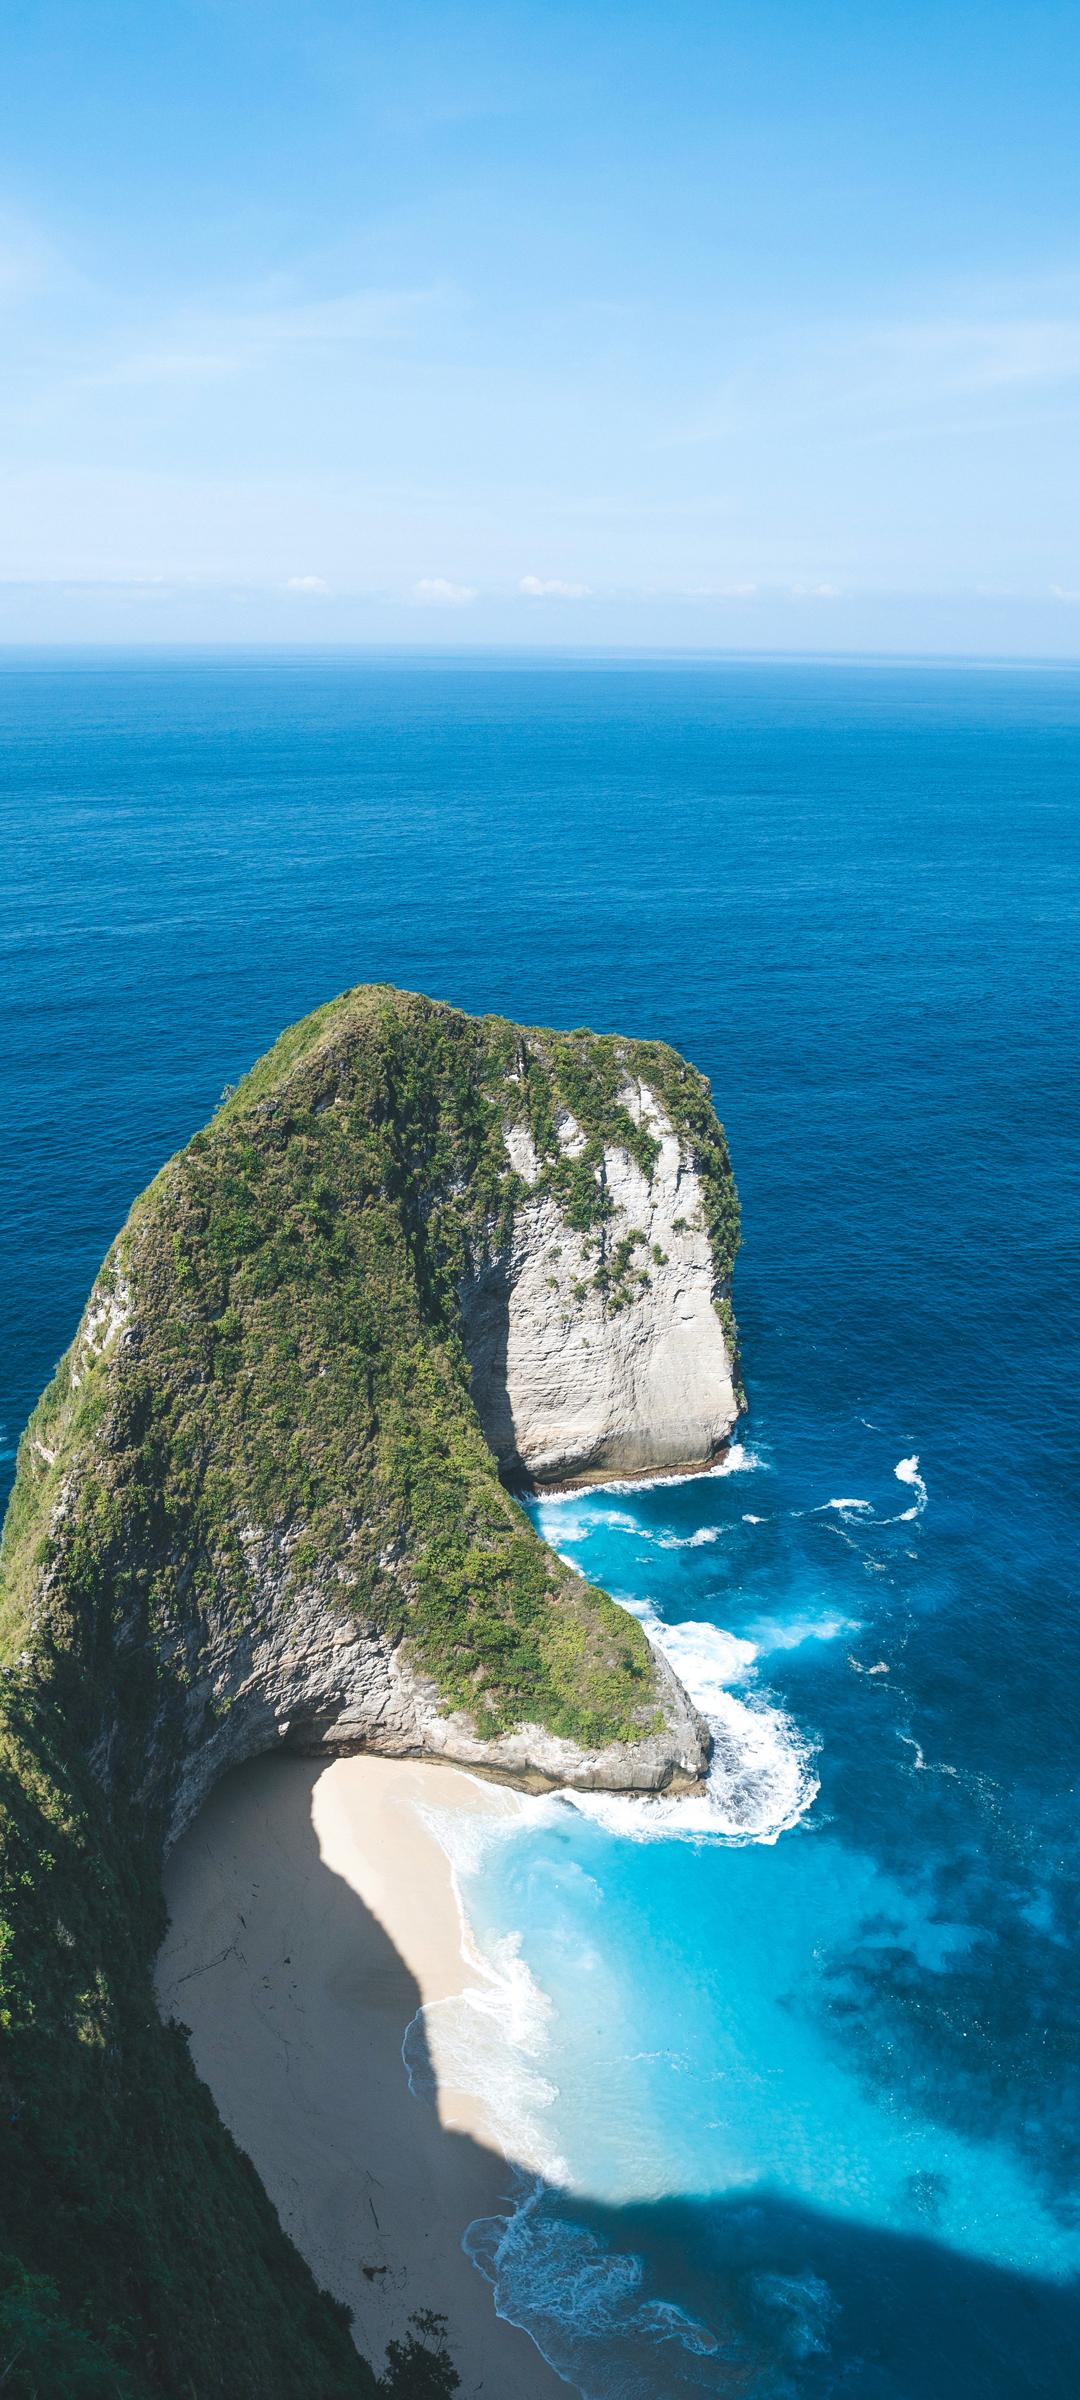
{"points": [[566, 1385]]}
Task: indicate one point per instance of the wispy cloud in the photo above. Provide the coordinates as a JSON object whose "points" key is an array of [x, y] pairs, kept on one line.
{"points": [[437, 592], [978, 355], [201, 346], [550, 587], [883, 378], [705, 591], [310, 585]]}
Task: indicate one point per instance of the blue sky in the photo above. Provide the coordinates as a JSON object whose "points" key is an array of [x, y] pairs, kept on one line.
{"points": [[748, 325]]}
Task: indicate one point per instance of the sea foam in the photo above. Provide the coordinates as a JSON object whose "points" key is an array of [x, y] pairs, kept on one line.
{"points": [[906, 1471], [761, 1778], [738, 1459], [584, 2306], [486, 2041]]}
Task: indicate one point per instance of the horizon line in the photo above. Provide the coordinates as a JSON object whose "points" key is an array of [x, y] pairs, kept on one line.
{"points": [[12, 652]]}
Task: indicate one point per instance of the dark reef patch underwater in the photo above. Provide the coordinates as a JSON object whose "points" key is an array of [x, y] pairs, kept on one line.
{"points": [[824, 2090]]}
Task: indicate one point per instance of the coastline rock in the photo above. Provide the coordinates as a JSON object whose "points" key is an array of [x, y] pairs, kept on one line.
{"points": [[265, 1501], [265, 1430], [304, 1675], [569, 1388]]}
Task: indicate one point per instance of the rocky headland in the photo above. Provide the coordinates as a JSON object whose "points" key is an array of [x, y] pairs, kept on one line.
{"points": [[416, 1258]]}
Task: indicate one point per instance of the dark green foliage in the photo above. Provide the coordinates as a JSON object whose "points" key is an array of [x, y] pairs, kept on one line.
{"points": [[296, 1372], [43, 2356], [420, 2368], [142, 2255]]}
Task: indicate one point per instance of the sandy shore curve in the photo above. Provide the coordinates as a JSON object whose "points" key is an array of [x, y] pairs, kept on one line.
{"points": [[312, 1914]]}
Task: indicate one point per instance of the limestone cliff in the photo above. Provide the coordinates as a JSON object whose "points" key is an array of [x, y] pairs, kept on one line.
{"points": [[599, 1352], [257, 1505]]}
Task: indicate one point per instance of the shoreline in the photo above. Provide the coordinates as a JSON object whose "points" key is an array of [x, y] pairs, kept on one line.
{"points": [[615, 1479], [314, 1917]]}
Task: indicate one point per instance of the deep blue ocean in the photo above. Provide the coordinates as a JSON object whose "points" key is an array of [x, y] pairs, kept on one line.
{"points": [[811, 2070]]}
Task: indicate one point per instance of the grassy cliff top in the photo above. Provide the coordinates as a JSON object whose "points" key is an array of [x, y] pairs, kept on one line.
{"points": [[291, 1281]]}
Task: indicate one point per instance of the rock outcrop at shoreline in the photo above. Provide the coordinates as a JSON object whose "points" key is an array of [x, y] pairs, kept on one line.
{"points": [[586, 1366], [261, 1503]]}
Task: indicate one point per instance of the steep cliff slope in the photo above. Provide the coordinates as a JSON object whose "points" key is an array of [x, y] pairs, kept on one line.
{"points": [[592, 1325], [257, 1504]]}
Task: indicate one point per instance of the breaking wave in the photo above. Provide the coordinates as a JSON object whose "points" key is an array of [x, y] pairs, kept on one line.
{"points": [[688, 1541], [486, 2041], [761, 1779], [585, 2306], [906, 1471], [792, 1632], [737, 1460], [581, 1527]]}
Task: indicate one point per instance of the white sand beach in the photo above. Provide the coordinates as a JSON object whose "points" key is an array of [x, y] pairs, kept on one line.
{"points": [[312, 1912]]}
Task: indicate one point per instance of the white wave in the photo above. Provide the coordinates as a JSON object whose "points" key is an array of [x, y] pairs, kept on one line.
{"points": [[467, 1835], [737, 1460], [705, 1657], [570, 1529], [748, 1520], [687, 1541], [566, 1528], [483, 2043], [796, 1630], [613, 1520], [907, 1471], [761, 1779], [583, 2305], [488, 2041]]}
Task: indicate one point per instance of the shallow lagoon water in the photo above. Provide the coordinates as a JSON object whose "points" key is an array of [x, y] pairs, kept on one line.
{"points": [[814, 2099]]}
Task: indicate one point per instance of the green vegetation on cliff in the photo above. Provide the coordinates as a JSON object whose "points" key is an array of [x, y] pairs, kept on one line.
{"points": [[272, 1350]]}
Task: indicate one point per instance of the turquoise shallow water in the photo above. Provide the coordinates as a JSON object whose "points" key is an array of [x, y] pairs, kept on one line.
{"points": [[815, 2099], [757, 2037]]}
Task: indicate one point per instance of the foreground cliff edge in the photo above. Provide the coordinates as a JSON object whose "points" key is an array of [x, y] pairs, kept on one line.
{"points": [[415, 1257]]}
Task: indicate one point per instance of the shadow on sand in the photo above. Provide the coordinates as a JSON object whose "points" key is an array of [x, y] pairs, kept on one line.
{"points": [[297, 2002]]}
